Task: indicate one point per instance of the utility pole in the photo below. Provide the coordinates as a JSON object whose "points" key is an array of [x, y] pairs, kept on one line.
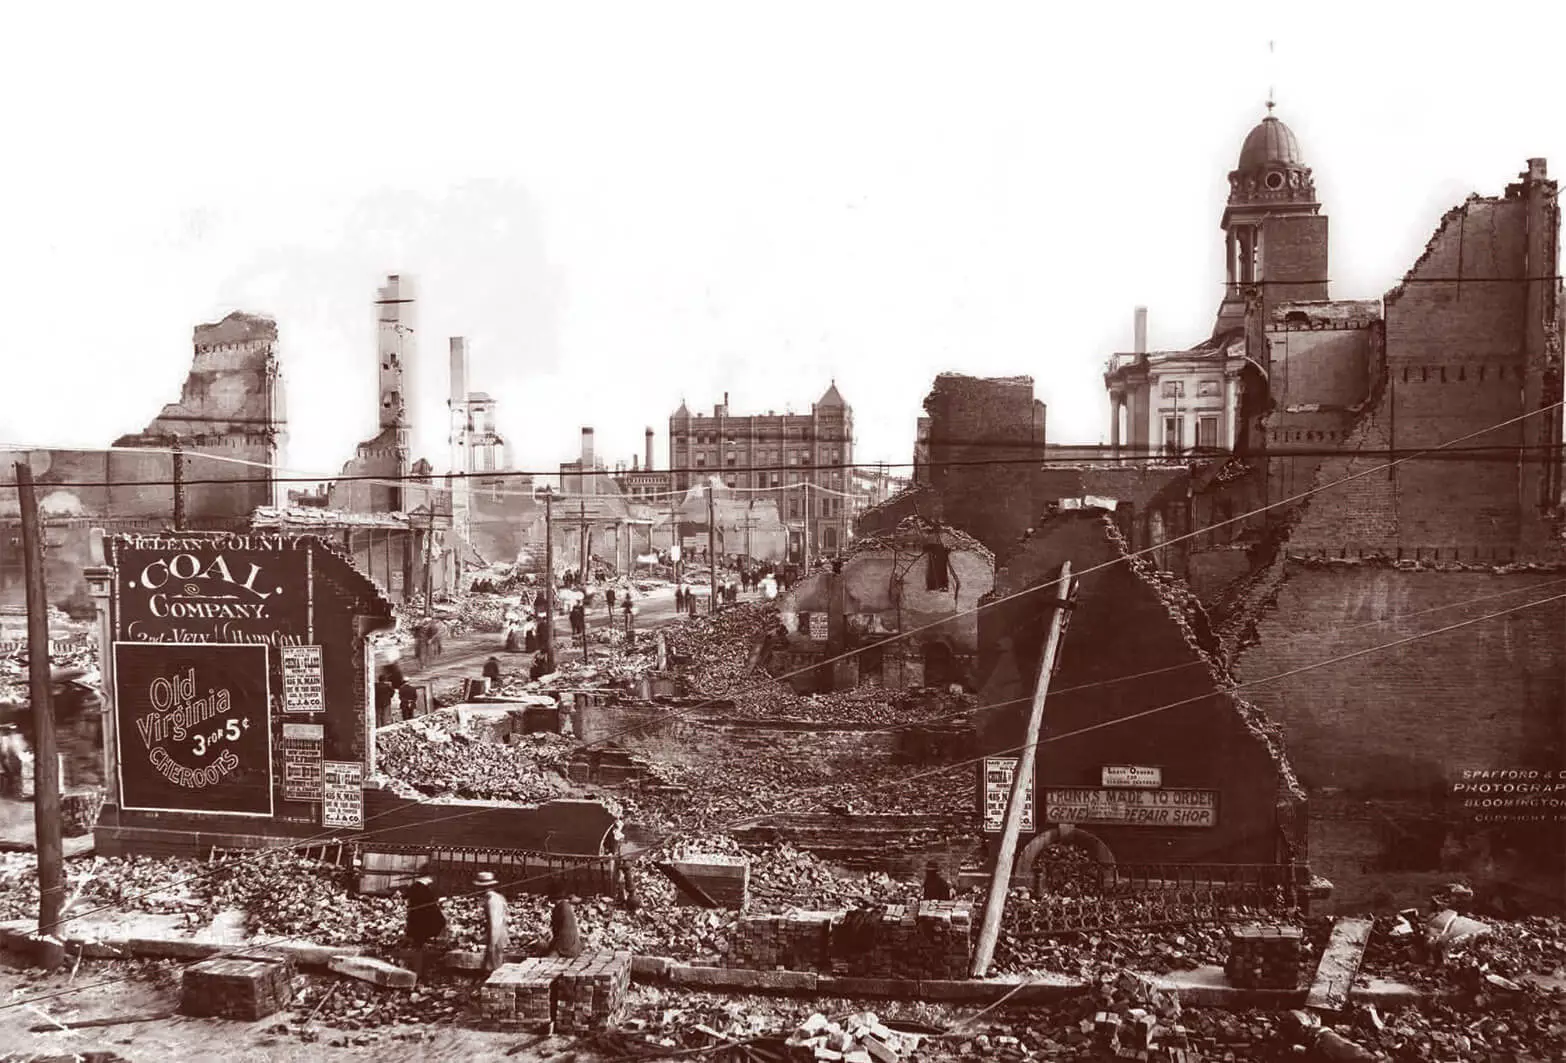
{"points": [[750, 520], [1027, 757], [712, 545], [179, 485], [583, 511], [549, 578], [46, 761], [676, 546]]}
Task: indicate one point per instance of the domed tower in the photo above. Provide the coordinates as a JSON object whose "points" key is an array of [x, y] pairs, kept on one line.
{"points": [[1275, 233]]}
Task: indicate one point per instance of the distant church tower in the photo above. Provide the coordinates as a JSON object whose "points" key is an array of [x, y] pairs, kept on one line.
{"points": [[1275, 234]]}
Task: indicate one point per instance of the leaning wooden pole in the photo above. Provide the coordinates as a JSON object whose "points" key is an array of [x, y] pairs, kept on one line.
{"points": [[46, 761], [1027, 757]]}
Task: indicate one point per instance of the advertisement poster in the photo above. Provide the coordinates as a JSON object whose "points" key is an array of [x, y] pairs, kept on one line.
{"points": [[344, 794], [194, 728], [998, 773], [303, 684], [302, 746]]}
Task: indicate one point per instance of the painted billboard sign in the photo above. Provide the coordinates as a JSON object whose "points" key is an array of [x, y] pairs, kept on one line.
{"points": [[212, 589], [194, 728], [1139, 808]]}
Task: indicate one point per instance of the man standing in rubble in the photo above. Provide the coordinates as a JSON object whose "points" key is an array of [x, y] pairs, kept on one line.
{"points": [[496, 939], [426, 921]]}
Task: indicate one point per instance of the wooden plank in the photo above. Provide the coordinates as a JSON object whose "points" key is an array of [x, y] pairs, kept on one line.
{"points": [[1339, 965]]}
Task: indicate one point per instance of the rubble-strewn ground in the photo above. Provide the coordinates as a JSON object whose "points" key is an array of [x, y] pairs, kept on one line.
{"points": [[435, 757], [341, 1019]]}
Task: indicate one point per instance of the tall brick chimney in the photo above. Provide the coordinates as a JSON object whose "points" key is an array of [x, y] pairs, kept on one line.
{"points": [[589, 481], [1140, 331], [648, 461]]}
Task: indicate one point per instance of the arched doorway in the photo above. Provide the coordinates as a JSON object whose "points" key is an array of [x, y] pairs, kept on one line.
{"points": [[1065, 834]]}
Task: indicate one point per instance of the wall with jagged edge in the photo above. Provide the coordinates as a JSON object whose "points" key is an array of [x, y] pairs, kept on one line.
{"points": [[1138, 649]]}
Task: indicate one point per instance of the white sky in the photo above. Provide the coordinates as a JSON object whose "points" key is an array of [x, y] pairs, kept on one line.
{"points": [[621, 205]]}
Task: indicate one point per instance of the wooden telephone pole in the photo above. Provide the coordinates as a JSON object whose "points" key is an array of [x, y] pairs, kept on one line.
{"points": [[712, 545], [548, 620], [46, 760], [585, 539], [179, 485], [1021, 782]]}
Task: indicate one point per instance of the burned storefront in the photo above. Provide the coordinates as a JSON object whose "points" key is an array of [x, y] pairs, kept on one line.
{"points": [[900, 606], [237, 676], [1146, 757]]}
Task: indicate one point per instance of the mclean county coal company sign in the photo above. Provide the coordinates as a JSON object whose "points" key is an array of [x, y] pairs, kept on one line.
{"points": [[212, 589]]}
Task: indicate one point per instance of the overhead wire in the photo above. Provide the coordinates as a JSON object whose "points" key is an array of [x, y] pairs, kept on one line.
{"points": [[1124, 558]]}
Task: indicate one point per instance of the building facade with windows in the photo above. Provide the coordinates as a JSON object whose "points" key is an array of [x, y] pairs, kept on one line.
{"points": [[803, 461]]}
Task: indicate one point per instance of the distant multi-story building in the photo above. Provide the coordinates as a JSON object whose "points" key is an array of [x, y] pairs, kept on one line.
{"points": [[806, 458]]}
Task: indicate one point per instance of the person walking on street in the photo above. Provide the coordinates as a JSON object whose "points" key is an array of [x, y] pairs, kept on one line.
{"points": [[426, 921], [609, 601], [565, 938], [496, 939], [578, 620]]}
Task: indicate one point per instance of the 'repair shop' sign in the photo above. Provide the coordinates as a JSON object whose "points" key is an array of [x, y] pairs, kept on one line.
{"points": [[194, 728]]}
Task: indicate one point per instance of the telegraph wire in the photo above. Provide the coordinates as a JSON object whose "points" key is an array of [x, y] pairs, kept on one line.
{"points": [[1153, 456], [1124, 558], [940, 770]]}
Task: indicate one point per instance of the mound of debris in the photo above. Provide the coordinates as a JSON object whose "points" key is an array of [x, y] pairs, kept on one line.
{"points": [[126, 884], [437, 758]]}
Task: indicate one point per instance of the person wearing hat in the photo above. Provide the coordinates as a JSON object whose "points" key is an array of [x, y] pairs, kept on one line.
{"points": [[495, 937], [936, 888], [426, 921], [565, 938]]}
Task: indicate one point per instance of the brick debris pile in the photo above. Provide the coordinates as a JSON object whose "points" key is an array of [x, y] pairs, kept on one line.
{"points": [[721, 650], [131, 884], [435, 757], [1399, 950], [932, 939], [79, 654], [769, 781], [1032, 938]]}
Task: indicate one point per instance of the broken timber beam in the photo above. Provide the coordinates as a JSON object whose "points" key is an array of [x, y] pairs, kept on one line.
{"points": [[1027, 757], [686, 886], [1339, 965]]}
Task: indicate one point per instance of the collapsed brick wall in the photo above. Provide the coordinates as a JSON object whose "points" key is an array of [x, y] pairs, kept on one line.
{"points": [[984, 436], [1394, 729], [932, 939], [1136, 651], [1467, 341]]}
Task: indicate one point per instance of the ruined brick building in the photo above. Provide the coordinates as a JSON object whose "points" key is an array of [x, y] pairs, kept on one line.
{"points": [[230, 428], [1368, 521]]}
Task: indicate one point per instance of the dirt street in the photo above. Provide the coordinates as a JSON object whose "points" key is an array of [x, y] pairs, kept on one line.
{"points": [[188, 1040]]}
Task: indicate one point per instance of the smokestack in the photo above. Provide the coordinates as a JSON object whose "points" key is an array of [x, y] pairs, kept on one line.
{"points": [[459, 372], [1141, 331], [589, 481], [648, 462]]}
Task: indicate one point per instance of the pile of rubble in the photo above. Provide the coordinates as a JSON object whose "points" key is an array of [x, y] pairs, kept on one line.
{"points": [[1445, 949], [126, 884], [437, 758]]}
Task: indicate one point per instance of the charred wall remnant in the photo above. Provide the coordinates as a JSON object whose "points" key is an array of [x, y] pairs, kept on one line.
{"points": [[232, 430], [985, 436], [1138, 683]]}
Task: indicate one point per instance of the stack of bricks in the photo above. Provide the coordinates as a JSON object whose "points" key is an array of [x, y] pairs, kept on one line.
{"points": [[590, 993], [237, 988], [1265, 957], [930, 940], [522, 994], [798, 941], [724, 878]]}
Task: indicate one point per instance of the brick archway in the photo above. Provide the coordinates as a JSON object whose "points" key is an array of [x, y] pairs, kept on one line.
{"points": [[1066, 834]]}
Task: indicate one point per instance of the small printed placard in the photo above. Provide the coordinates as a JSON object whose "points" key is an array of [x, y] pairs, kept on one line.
{"points": [[1132, 775], [303, 689], [343, 804]]}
